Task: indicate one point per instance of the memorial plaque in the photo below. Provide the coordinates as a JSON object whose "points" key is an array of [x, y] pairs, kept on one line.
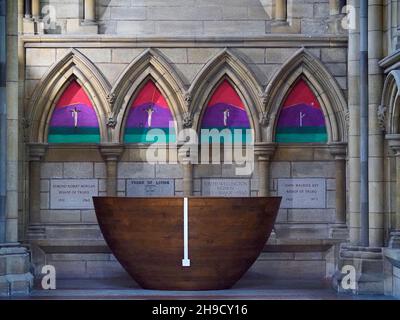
{"points": [[226, 187], [302, 193], [73, 194], [150, 188]]}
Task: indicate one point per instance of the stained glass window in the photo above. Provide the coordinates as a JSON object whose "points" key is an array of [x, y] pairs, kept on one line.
{"points": [[226, 111], [301, 119], [74, 119], [149, 111]]}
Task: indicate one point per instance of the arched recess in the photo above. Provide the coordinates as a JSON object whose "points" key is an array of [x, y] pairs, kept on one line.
{"points": [[149, 111], [301, 119], [324, 86], [73, 66], [225, 110], [150, 65], [226, 66], [390, 104]]}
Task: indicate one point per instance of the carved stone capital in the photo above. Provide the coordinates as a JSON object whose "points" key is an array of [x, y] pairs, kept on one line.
{"points": [[111, 151], [338, 150], [188, 154], [264, 151], [394, 143], [37, 151]]}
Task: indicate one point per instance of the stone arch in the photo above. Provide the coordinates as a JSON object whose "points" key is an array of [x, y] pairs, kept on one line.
{"points": [[322, 83], [226, 65], [149, 65], [72, 66], [389, 113]]}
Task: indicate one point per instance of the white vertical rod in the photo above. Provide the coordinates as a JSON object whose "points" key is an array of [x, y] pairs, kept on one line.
{"points": [[186, 260]]}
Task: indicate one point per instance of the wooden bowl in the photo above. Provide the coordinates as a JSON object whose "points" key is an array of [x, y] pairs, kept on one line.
{"points": [[225, 237]]}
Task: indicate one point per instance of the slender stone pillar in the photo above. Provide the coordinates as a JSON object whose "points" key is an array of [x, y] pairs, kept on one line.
{"points": [[28, 9], [339, 229], [186, 158], [3, 120], [354, 134], [336, 15], [376, 139], [15, 276], [14, 139], [36, 155], [111, 154], [264, 153], [90, 11], [280, 10], [36, 9], [394, 240], [333, 7], [187, 179]]}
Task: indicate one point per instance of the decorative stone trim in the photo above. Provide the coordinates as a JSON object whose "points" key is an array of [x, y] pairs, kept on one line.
{"points": [[389, 110]]}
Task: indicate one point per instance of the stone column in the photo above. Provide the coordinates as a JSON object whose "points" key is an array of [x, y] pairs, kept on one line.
{"points": [[335, 16], [15, 276], [88, 25], [36, 154], [354, 134], [264, 153], [3, 122], [111, 154], [339, 229], [187, 179], [13, 140], [394, 240], [90, 11], [280, 10], [36, 9], [334, 7], [29, 24], [376, 139], [186, 159], [28, 9]]}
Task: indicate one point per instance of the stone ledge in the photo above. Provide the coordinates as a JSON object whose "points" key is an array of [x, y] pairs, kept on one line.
{"points": [[368, 263], [393, 255], [15, 276], [20, 284], [306, 247], [103, 41]]}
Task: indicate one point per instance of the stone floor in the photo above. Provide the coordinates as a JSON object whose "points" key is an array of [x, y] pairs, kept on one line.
{"points": [[250, 288]]}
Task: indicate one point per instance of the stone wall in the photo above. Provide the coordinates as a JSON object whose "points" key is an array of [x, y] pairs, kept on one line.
{"points": [[195, 17], [292, 162], [71, 240], [187, 62]]}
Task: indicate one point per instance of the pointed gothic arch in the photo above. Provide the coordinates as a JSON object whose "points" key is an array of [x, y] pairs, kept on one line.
{"points": [[226, 66], [148, 110], [150, 65], [389, 112], [324, 86], [73, 66]]}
